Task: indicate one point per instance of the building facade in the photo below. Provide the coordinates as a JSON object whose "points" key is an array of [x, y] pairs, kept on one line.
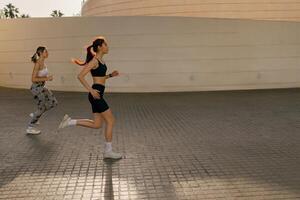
{"points": [[232, 9]]}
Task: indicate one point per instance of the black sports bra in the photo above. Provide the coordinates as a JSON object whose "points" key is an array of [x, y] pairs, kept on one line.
{"points": [[100, 71]]}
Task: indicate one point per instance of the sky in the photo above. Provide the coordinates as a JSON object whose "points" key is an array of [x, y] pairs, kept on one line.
{"points": [[43, 8]]}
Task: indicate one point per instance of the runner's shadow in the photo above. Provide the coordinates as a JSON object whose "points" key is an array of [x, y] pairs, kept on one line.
{"points": [[38, 149], [107, 181]]}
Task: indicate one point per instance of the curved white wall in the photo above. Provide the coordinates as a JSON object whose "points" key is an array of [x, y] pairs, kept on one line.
{"points": [[239, 9], [157, 53]]}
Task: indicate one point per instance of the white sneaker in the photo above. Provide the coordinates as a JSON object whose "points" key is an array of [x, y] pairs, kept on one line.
{"points": [[31, 115], [32, 131], [64, 122], [112, 155]]}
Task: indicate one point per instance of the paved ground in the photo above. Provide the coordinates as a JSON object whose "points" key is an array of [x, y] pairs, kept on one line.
{"points": [[206, 145]]}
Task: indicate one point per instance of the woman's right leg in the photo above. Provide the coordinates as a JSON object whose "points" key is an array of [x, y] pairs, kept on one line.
{"points": [[50, 99], [109, 122]]}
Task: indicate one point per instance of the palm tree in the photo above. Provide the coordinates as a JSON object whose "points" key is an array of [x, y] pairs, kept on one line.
{"points": [[10, 11], [25, 16], [57, 13]]}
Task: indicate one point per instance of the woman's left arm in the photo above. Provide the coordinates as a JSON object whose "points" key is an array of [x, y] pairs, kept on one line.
{"points": [[113, 74]]}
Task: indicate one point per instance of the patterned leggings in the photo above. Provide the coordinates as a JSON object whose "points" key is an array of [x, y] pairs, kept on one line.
{"points": [[44, 98]]}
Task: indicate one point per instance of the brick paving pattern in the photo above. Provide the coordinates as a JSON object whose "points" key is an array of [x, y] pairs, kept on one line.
{"points": [[201, 145]]}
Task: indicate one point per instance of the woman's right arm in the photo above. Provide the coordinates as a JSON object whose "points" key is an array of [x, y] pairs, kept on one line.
{"points": [[34, 76], [86, 69]]}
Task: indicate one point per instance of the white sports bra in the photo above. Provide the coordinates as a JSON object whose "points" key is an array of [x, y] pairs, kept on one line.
{"points": [[43, 72]]}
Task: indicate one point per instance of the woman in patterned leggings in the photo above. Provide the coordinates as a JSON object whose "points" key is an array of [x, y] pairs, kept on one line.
{"points": [[44, 98]]}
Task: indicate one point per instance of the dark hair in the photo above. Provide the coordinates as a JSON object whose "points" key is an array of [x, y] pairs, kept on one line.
{"points": [[91, 50], [38, 53]]}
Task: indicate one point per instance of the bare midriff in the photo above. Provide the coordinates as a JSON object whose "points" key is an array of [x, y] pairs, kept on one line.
{"points": [[99, 80]]}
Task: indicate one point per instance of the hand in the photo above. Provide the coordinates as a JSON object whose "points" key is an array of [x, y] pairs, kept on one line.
{"points": [[95, 94], [115, 73], [50, 78]]}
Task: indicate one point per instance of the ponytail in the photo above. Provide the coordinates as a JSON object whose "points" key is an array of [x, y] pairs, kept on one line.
{"points": [[37, 54], [91, 52], [89, 57], [35, 57]]}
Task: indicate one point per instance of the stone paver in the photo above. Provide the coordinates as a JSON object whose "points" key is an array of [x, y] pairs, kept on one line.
{"points": [[205, 145]]}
